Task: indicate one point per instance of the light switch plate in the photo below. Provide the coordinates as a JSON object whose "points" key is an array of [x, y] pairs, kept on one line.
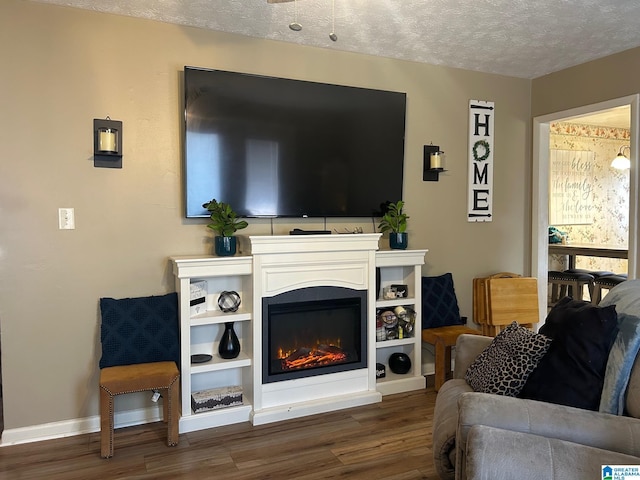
{"points": [[66, 219]]}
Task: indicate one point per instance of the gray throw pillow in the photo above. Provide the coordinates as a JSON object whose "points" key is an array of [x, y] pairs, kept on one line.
{"points": [[504, 366]]}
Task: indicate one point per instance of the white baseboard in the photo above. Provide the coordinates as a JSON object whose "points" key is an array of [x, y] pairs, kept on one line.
{"points": [[78, 426], [302, 409]]}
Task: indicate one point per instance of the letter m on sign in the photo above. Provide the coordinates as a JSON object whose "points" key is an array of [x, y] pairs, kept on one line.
{"points": [[480, 154]]}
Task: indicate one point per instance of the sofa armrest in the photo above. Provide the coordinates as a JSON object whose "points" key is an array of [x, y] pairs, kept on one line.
{"points": [[445, 424], [468, 347], [497, 453], [600, 430]]}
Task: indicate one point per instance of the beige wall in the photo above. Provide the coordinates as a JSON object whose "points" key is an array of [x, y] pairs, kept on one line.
{"points": [[62, 67], [608, 78]]}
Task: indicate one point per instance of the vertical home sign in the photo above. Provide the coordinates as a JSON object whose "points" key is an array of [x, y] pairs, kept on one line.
{"points": [[480, 201]]}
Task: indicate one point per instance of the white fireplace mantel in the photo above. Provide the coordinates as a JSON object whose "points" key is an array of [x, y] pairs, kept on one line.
{"points": [[284, 244], [279, 264], [285, 263]]}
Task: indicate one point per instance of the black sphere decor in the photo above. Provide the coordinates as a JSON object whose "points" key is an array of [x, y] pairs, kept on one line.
{"points": [[229, 301], [399, 363]]}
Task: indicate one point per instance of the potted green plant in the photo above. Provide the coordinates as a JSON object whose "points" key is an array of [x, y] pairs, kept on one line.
{"points": [[394, 221], [225, 222]]}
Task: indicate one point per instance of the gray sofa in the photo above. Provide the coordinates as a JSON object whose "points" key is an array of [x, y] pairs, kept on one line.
{"points": [[492, 437]]}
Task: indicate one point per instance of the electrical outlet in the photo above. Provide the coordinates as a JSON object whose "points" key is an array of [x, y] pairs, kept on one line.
{"points": [[66, 219]]}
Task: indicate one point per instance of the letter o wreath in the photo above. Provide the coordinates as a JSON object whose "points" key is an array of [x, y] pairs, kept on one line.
{"points": [[487, 150]]}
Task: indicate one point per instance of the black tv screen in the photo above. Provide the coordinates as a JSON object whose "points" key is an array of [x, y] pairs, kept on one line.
{"points": [[274, 147]]}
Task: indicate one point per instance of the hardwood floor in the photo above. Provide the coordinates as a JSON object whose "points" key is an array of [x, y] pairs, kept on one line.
{"points": [[390, 440]]}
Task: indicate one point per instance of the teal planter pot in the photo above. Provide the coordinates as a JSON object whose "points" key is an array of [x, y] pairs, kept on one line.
{"points": [[225, 246], [398, 241]]}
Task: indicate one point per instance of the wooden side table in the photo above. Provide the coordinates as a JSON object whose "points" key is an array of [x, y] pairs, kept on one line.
{"points": [[443, 338]]}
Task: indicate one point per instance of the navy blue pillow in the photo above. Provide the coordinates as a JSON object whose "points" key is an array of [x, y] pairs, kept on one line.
{"points": [[572, 372], [439, 302], [139, 330]]}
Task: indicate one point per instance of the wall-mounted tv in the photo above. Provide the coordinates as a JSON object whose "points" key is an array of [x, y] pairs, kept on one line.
{"points": [[275, 147]]}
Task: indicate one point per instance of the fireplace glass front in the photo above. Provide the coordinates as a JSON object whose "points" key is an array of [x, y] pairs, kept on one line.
{"points": [[313, 331]]}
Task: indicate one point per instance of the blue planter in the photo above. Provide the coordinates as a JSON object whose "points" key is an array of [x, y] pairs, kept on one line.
{"points": [[398, 241], [225, 246]]}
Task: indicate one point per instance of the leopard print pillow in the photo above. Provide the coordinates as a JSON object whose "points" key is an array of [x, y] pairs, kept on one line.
{"points": [[504, 366]]}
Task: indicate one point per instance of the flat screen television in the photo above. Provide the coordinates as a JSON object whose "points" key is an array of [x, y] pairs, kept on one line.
{"points": [[275, 147]]}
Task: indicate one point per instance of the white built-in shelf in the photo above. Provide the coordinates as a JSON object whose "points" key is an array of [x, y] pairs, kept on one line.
{"points": [[396, 342], [217, 363], [393, 383], [215, 317], [201, 334], [402, 267], [405, 302], [213, 418]]}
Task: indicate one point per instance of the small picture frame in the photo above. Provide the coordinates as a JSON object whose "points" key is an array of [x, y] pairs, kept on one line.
{"points": [[402, 291], [389, 293]]}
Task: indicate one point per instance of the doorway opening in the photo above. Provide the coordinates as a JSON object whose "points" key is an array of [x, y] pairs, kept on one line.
{"points": [[542, 147]]}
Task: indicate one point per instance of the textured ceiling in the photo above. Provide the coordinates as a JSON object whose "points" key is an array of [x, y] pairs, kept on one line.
{"points": [[519, 38]]}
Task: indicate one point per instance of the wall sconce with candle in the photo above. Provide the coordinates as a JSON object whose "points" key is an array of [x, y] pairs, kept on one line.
{"points": [[434, 163], [107, 143]]}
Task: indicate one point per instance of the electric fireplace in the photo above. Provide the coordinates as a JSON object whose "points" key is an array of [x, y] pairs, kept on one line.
{"points": [[313, 331]]}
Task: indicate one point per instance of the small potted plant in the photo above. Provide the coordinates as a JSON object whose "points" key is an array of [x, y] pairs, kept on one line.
{"points": [[225, 222], [394, 221]]}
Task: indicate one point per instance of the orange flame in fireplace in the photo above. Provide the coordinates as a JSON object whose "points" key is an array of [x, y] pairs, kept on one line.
{"points": [[318, 356], [319, 344]]}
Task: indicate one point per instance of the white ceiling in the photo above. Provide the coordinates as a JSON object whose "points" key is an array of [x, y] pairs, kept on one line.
{"points": [[518, 38], [619, 117]]}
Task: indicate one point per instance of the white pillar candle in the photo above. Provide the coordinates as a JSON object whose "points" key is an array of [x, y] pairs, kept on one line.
{"points": [[437, 160], [108, 140]]}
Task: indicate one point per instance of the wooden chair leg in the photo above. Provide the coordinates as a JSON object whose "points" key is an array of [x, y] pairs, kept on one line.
{"points": [[597, 293], [172, 403], [440, 361], [165, 405], [106, 424], [555, 293], [564, 291]]}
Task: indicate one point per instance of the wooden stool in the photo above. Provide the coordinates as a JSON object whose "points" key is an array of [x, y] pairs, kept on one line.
{"points": [[607, 282], [561, 282], [596, 275], [443, 338], [139, 377]]}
